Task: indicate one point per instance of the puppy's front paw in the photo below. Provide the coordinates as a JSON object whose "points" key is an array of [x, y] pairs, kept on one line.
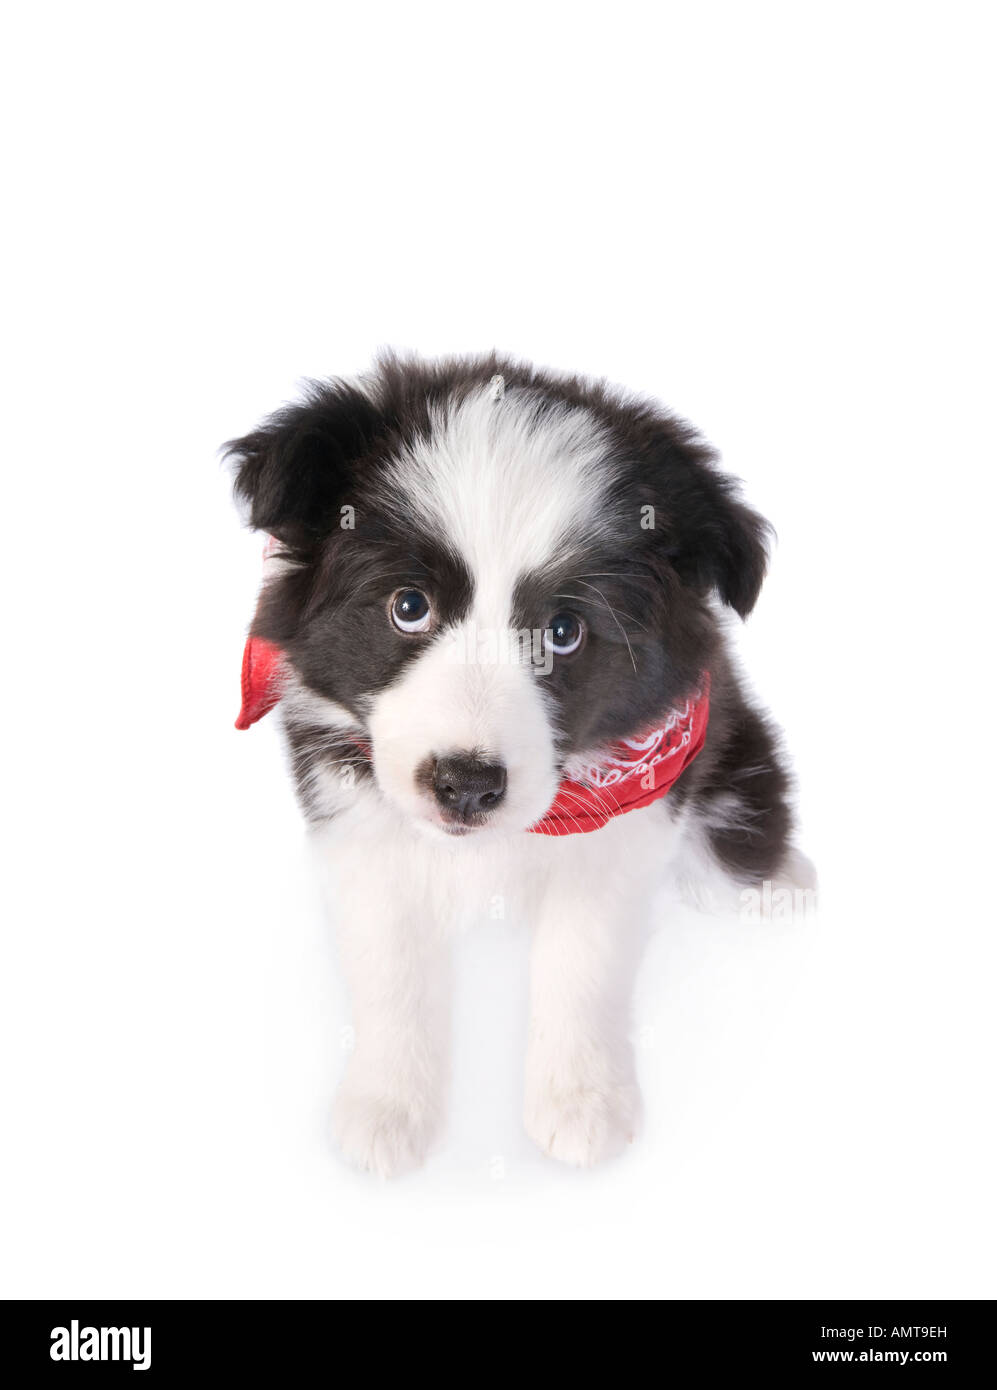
{"points": [[380, 1133], [582, 1124]]}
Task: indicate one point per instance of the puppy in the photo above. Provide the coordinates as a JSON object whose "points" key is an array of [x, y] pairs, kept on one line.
{"points": [[493, 617]]}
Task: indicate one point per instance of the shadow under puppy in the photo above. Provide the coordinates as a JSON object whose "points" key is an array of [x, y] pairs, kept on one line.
{"points": [[493, 620]]}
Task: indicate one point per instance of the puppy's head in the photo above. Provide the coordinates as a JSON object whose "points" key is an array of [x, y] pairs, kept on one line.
{"points": [[491, 572]]}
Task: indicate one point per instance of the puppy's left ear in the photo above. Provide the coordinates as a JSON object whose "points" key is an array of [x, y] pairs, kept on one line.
{"points": [[717, 543]]}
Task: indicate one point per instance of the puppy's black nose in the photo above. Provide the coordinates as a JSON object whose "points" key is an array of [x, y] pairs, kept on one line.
{"points": [[467, 787]]}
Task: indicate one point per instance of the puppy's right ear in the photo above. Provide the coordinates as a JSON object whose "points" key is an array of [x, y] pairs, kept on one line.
{"points": [[294, 470]]}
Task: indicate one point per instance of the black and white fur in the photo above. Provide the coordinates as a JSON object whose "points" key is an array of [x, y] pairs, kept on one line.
{"points": [[504, 494]]}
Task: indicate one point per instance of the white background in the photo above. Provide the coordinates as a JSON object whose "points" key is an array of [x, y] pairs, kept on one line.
{"points": [[776, 217]]}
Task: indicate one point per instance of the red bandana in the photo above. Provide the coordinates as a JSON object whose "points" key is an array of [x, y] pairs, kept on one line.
{"points": [[632, 774], [262, 680]]}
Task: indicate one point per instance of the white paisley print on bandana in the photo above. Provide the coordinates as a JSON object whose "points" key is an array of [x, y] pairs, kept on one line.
{"points": [[650, 751]]}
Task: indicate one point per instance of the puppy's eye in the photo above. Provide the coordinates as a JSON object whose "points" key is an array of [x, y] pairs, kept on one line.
{"points": [[410, 611], [565, 633]]}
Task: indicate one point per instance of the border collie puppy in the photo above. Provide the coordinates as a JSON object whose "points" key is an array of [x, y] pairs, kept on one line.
{"points": [[493, 618]]}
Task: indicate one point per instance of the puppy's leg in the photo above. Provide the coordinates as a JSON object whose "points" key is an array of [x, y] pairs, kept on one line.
{"points": [[390, 1104], [582, 1101]]}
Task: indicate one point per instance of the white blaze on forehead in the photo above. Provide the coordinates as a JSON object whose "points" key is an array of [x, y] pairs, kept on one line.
{"points": [[509, 492]]}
